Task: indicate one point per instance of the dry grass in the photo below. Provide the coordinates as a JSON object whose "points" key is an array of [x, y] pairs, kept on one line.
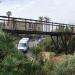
{"points": [[58, 59], [47, 56]]}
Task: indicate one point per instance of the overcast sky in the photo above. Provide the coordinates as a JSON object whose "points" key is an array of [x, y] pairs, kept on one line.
{"points": [[57, 10]]}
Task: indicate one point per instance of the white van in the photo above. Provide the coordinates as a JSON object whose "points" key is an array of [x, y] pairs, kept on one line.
{"points": [[23, 44]]}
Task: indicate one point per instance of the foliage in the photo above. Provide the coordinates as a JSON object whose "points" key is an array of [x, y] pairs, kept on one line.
{"points": [[14, 62], [67, 47], [48, 67], [7, 44], [71, 45], [67, 67], [45, 45], [46, 19], [36, 50]]}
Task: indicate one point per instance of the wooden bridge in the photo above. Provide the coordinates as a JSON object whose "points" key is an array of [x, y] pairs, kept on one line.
{"points": [[29, 26]]}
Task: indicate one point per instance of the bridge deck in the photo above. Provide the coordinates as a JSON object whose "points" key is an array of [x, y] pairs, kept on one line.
{"points": [[39, 32]]}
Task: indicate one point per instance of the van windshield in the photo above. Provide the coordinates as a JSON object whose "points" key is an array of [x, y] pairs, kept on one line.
{"points": [[22, 45]]}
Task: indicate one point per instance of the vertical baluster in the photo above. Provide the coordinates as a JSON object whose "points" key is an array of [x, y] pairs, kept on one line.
{"points": [[52, 26], [13, 23], [4, 25], [49, 27], [25, 25], [56, 29]]}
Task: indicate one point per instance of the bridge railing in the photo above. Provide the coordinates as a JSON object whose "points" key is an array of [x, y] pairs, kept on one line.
{"points": [[12, 23]]}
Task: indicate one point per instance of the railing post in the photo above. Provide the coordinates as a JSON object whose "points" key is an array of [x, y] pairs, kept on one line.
{"points": [[25, 25], [52, 26], [4, 25], [13, 24]]}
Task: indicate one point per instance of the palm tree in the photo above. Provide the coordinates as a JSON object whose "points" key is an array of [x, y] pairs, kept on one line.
{"points": [[8, 13], [41, 20], [47, 19]]}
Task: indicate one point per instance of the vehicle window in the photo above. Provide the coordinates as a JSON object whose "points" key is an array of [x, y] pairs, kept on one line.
{"points": [[22, 44]]}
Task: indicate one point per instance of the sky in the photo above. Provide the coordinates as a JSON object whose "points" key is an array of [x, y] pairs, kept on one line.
{"points": [[62, 11]]}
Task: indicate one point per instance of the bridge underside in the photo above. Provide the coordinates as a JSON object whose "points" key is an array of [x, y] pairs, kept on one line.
{"points": [[38, 32]]}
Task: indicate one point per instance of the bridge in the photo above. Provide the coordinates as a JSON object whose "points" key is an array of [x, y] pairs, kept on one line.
{"points": [[29, 26]]}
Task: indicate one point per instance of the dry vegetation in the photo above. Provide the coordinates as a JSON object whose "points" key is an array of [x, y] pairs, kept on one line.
{"points": [[49, 56]]}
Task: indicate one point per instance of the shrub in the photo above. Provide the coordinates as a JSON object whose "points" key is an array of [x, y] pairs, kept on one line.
{"points": [[7, 44], [15, 66], [45, 45], [67, 67], [36, 50], [14, 62]]}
